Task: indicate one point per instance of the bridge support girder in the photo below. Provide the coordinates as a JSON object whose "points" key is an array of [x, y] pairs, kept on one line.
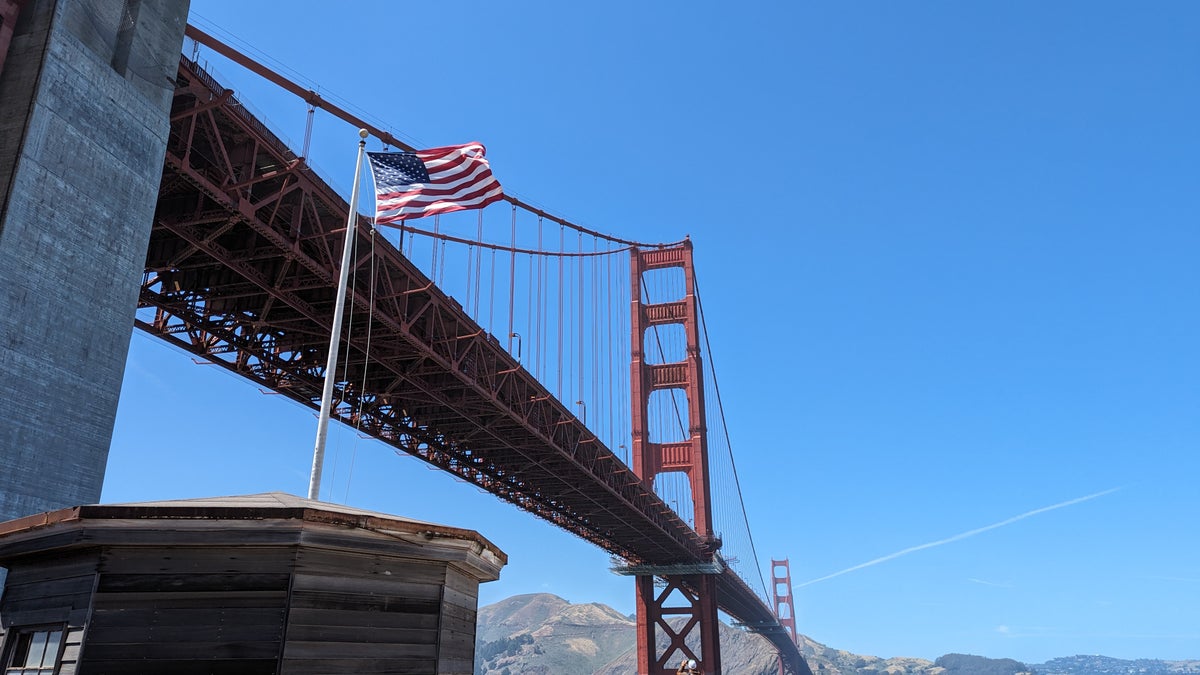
{"points": [[683, 606]]}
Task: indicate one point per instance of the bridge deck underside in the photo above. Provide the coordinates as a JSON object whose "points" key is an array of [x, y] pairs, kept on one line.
{"points": [[242, 270]]}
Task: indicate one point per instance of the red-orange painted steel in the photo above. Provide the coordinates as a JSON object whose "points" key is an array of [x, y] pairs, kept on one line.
{"points": [[781, 583], [785, 608], [689, 597], [690, 457]]}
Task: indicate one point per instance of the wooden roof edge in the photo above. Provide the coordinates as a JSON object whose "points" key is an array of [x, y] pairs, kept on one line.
{"points": [[386, 524], [39, 520], [290, 508]]}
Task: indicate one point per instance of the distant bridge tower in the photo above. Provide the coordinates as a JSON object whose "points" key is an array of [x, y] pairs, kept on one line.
{"points": [[781, 588], [691, 597]]}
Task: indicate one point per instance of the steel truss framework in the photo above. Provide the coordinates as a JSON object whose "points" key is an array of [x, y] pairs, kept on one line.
{"points": [[688, 601], [242, 270]]}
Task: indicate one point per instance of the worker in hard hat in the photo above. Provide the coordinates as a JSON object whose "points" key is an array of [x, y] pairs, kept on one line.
{"points": [[688, 667]]}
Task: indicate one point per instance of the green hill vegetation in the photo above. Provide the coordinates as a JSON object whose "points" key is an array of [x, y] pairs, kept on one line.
{"points": [[1105, 665], [965, 664]]}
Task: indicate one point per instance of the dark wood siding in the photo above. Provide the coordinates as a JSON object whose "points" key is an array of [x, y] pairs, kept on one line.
{"points": [[188, 610], [460, 602], [246, 585], [363, 613], [49, 589]]}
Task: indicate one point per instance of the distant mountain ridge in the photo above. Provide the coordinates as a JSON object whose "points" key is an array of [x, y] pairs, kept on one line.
{"points": [[543, 634], [1106, 665]]}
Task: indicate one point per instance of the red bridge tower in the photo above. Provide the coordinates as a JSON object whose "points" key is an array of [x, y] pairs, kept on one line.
{"points": [[687, 593], [785, 608]]}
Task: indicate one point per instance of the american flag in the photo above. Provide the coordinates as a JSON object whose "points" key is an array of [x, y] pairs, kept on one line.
{"points": [[429, 182]]}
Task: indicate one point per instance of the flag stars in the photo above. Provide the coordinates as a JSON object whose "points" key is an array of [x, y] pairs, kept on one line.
{"points": [[398, 168]]}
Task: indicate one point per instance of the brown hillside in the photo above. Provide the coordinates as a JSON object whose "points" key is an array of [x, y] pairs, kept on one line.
{"points": [[543, 634]]}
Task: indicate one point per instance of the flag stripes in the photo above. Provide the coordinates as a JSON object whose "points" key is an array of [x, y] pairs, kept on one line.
{"points": [[433, 181]]}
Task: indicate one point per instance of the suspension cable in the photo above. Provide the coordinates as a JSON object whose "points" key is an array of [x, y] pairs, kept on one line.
{"points": [[514, 249], [315, 100], [725, 425]]}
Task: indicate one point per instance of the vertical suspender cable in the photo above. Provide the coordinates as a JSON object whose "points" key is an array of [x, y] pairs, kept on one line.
{"points": [[442, 265], [598, 352], [492, 297], [595, 350], [433, 264], [612, 359], [470, 269], [569, 322], [627, 376], [308, 124], [560, 312], [512, 277], [580, 265], [478, 265], [541, 347], [529, 314]]}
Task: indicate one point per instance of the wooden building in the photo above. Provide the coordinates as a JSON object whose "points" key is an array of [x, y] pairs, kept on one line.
{"points": [[267, 583]]}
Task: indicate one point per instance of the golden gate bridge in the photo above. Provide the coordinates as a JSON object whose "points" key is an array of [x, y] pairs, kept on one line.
{"points": [[562, 369]]}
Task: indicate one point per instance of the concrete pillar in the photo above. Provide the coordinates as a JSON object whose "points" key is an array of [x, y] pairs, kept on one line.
{"points": [[85, 96], [9, 9]]}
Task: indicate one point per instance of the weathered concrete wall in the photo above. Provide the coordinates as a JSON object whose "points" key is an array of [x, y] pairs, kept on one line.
{"points": [[85, 97], [9, 9]]}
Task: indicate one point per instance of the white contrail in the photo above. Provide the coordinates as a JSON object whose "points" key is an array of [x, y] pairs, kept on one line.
{"points": [[993, 584], [957, 537]]}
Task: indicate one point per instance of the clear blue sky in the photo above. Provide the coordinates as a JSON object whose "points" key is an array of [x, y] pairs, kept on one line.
{"points": [[951, 261]]}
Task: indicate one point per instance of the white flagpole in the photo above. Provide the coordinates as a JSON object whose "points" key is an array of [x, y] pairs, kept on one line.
{"points": [[314, 482]]}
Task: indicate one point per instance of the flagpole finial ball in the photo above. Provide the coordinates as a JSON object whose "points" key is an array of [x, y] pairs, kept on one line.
{"points": [[363, 133]]}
